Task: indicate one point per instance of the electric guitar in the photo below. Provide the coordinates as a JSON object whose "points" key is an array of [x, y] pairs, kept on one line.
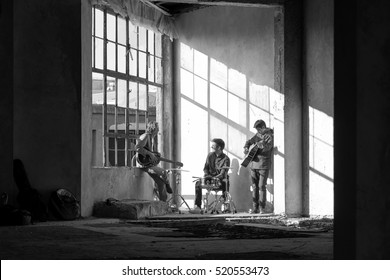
{"points": [[146, 161]]}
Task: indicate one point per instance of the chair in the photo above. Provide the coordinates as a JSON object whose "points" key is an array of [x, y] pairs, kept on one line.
{"points": [[226, 205]]}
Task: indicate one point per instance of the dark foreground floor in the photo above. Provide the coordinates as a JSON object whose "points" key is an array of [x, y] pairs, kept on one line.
{"points": [[181, 237]]}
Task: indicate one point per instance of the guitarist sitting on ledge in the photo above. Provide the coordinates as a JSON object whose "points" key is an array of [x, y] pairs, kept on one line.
{"points": [[146, 145], [261, 163]]}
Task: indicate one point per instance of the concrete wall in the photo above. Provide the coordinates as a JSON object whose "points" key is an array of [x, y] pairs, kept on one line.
{"points": [[362, 137], [292, 90], [318, 90], [47, 93], [241, 41], [119, 183], [372, 130], [6, 108]]}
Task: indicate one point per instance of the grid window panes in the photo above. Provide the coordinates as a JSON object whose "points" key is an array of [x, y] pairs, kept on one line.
{"points": [[126, 80]]}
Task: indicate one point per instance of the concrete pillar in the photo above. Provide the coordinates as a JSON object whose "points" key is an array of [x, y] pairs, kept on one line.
{"points": [[86, 112], [345, 131], [372, 130], [176, 120], [165, 103], [47, 87], [6, 104], [292, 90], [362, 137]]}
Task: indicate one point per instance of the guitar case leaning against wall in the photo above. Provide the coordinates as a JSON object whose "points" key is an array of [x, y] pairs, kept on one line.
{"points": [[28, 197], [64, 205]]}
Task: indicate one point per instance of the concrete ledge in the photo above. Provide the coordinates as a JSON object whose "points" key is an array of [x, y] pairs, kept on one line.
{"points": [[129, 209]]}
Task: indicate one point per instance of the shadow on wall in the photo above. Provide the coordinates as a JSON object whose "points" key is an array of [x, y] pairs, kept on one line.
{"points": [[240, 185], [320, 162], [220, 102]]}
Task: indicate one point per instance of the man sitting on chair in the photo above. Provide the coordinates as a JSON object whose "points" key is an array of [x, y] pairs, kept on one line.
{"points": [[145, 145], [213, 169]]}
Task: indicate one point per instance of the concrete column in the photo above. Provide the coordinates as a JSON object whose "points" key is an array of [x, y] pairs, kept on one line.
{"points": [[87, 187], [176, 121], [292, 90], [345, 131], [372, 130], [6, 104], [165, 104]]}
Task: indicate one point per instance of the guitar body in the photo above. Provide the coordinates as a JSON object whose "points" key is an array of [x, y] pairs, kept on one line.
{"points": [[252, 153], [146, 161]]}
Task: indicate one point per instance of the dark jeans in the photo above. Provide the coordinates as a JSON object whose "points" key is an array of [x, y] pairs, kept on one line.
{"points": [[198, 192], [160, 178], [259, 182]]}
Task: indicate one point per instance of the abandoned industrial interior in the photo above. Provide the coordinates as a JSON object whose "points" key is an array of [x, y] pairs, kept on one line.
{"points": [[194, 129]]}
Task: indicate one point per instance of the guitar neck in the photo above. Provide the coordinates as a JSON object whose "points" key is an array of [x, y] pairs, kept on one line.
{"points": [[171, 161]]}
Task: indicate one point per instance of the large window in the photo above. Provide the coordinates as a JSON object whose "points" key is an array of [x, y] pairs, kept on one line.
{"points": [[126, 80]]}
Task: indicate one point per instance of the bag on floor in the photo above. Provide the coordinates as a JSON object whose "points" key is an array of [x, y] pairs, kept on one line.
{"points": [[64, 205]]}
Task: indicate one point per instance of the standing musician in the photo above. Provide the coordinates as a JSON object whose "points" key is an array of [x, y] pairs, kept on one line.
{"points": [[146, 145], [213, 169], [260, 164]]}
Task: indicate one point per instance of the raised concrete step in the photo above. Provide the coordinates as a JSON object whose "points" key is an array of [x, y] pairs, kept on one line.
{"points": [[129, 209]]}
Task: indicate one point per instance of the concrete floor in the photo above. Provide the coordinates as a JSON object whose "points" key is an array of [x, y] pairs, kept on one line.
{"points": [[175, 236]]}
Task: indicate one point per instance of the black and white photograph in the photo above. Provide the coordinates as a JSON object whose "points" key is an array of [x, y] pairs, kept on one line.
{"points": [[229, 132]]}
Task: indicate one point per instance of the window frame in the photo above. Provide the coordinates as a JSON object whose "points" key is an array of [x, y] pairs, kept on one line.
{"points": [[130, 135]]}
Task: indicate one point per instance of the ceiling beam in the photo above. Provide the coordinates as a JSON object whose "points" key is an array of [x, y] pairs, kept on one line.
{"points": [[240, 3], [150, 4]]}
